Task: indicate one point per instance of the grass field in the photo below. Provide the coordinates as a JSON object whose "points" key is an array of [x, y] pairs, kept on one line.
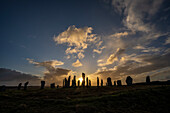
{"points": [[123, 99]]}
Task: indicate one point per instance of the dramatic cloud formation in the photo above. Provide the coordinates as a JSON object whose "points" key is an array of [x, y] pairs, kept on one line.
{"points": [[118, 35], [112, 58], [52, 73], [77, 63], [77, 39]]}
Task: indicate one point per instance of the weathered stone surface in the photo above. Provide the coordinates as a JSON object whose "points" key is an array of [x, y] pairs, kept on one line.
{"points": [[101, 82], [83, 81], [148, 79], [52, 85], [97, 81], [25, 85], [42, 84], [19, 86], [87, 82], [119, 83], [109, 81]]}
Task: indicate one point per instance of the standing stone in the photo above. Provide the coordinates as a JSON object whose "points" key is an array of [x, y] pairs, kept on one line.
{"points": [[69, 81], [119, 83], [129, 81], [114, 83], [74, 81], [42, 84], [19, 86], [87, 82], [57, 86], [148, 79], [101, 82], [109, 81], [25, 85], [52, 85], [63, 82], [78, 83], [83, 81], [97, 81]]}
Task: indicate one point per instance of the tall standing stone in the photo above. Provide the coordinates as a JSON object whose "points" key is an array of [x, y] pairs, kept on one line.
{"points": [[19, 86], [74, 81], [109, 81], [25, 85], [114, 83], [97, 81], [83, 81], [42, 84], [87, 82], [148, 79], [119, 83], [69, 81], [78, 83], [101, 82], [129, 81]]}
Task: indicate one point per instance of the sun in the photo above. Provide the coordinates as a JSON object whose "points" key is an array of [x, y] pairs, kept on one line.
{"points": [[81, 79]]}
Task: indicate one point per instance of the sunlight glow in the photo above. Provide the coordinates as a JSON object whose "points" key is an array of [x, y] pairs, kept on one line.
{"points": [[81, 79]]}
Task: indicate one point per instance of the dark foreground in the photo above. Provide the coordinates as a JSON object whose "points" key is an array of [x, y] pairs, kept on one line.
{"points": [[124, 99]]}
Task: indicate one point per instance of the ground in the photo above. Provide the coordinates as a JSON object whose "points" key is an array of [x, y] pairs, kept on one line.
{"points": [[123, 99]]}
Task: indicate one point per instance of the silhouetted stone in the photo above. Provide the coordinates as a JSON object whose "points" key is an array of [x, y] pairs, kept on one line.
{"points": [[63, 82], [148, 79], [74, 81], [19, 86], [52, 85], [97, 81], [109, 81], [25, 85], [119, 83], [42, 84], [68, 81], [83, 81], [78, 83], [101, 82], [114, 83], [87, 82], [2, 88], [129, 81], [57, 86]]}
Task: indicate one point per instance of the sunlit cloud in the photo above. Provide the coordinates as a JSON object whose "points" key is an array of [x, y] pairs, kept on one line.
{"points": [[77, 63]]}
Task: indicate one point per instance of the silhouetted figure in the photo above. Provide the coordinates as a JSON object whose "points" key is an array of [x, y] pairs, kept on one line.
{"points": [[109, 81], [78, 83], [114, 83], [19, 86], [68, 81], [42, 84], [119, 83], [25, 85], [87, 82], [101, 82], [97, 81], [129, 81], [52, 85], [83, 81], [148, 79], [2, 88]]}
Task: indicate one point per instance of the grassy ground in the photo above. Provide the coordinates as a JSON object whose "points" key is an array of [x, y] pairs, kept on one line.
{"points": [[125, 99]]}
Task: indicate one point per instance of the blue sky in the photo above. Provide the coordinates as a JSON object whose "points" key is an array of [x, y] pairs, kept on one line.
{"points": [[122, 38]]}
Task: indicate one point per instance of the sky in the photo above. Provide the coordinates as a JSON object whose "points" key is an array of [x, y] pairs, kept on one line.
{"points": [[54, 39]]}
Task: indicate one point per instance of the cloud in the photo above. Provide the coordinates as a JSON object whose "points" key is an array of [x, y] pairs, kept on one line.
{"points": [[99, 50], [52, 74], [113, 57], [77, 63], [118, 35], [167, 41], [136, 12], [77, 39], [13, 77]]}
